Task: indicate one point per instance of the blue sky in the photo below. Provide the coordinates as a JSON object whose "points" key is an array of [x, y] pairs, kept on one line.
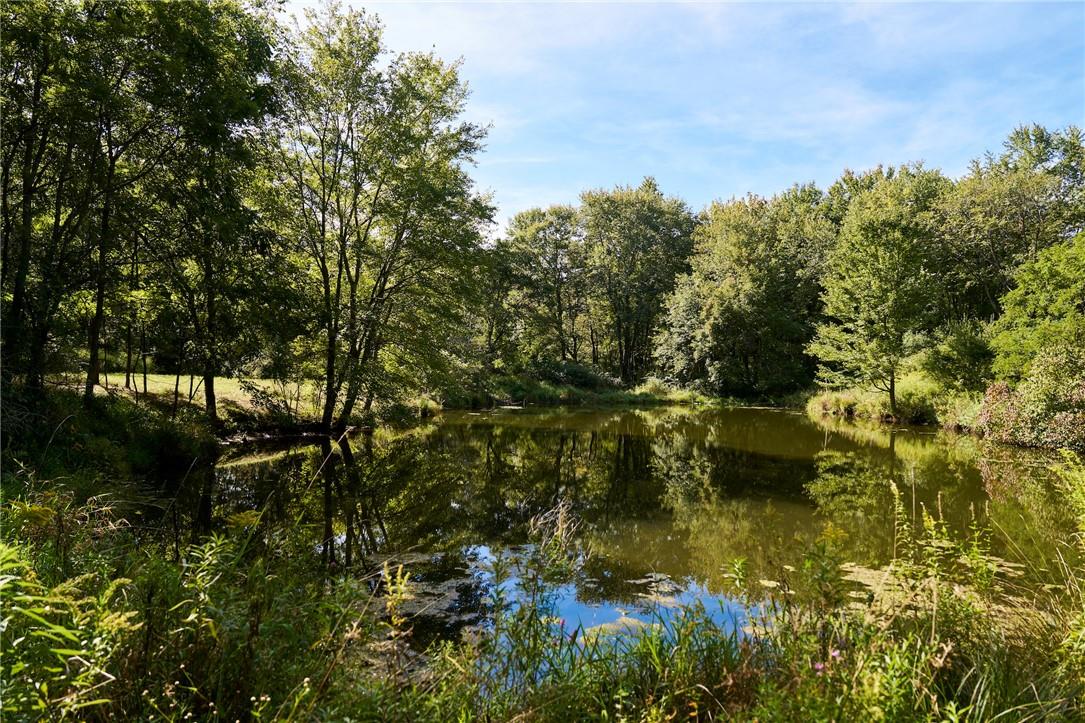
{"points": [[717, 100]]}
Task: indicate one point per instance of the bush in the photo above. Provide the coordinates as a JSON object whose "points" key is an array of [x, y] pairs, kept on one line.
{"points": [[1044, 310], [111, 437], [959, 410], [961, 360], [573, 374], [1047, 409], [654, 386], [917, 399]]}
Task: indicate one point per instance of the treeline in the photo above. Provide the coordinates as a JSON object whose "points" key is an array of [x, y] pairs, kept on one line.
{"points": [[192, 187], [890, 274]]}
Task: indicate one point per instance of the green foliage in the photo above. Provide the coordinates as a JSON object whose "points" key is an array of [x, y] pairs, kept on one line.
{"points": [[638, 241], [1045, 309], [59, 644], [373, 203], [740, 321], [960, 359], [1005, 211], [918, 402], [212, 634], [1047, 408], [881, 283], [190, 187], [549, 268]]}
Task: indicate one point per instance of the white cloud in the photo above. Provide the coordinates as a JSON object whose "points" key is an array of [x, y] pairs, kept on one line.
{"points": [[718, 99]]}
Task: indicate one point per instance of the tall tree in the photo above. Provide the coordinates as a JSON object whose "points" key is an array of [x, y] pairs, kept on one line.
{"points": [[371, 182], [1007, 209], [881, 288], [547, 251], [638, 241], [50, 161], [131, 96], [740, 321], [205, 229]]}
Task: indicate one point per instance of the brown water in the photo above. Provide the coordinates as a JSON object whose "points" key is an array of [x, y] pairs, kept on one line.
{"points": [[667, 499]]}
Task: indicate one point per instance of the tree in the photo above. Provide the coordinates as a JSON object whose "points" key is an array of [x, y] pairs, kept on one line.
{"points": [[638, 241], [547, 252], [881, 287], [370, 189], [207, 236], [49, 164], [741, 319], [1045, 309], [1006, 210], [850, 186]]}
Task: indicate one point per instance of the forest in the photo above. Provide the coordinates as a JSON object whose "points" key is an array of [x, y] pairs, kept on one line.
{"points": [[218, 223], [194, 189]]}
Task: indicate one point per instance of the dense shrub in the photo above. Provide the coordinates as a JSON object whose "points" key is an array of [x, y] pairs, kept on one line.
{"points": [[566, 373], [1046, 309], [1047, 409], [961, 358], [113, 437], [918, 399]]}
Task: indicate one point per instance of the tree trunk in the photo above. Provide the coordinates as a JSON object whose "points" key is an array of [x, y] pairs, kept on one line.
{"points": [[94, 340], [36, 367], [128, 369], [13, 338], [143, 354], [211, 355], [893, 394], [329, 384], [210, 403], [176, 393]]}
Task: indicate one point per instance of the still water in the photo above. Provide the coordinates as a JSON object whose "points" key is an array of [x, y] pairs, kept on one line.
{"points": [[667, 499]]}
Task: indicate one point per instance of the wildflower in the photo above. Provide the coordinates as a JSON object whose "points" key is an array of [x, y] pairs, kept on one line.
{"points": [[819, 667]]}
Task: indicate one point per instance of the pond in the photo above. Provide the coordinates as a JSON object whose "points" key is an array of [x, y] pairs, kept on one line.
{"points": [[666, 499]]}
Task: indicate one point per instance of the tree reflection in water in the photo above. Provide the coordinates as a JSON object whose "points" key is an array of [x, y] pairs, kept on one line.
{"points": [[668, 498]]}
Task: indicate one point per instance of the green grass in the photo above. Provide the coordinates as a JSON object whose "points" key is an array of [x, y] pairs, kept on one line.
{"points": [[506, 391], [919, 401], [524, 390], [227, 389]]}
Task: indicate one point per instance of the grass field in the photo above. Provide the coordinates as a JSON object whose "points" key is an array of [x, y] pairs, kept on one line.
{"points": [[189, 388]]}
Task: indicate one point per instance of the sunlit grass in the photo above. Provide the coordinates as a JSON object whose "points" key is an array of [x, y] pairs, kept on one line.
{"points": [[189, 389]]}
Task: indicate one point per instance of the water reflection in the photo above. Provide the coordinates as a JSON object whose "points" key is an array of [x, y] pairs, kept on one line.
{"points": [[668, 499]]}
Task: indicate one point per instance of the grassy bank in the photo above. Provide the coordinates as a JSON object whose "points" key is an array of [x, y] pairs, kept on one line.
{"points": [[524, 390], [246, 401], [919, 401], [1043, 410], [299, 397]]}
